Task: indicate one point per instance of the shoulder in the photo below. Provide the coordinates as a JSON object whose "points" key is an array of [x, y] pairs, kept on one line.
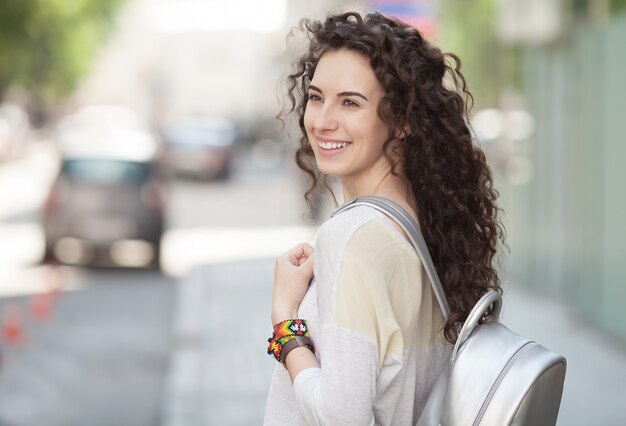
{"points": [[349, 219], [361, 233], [339, 229]]}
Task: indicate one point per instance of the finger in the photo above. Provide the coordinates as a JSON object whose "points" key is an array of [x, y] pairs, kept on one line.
{"points": [[303, 251], [307, 265], [291, 258], [296, 255], [307, 250]]}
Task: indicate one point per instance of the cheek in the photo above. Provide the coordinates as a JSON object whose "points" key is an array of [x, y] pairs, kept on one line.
{"points": [[377, 133]]}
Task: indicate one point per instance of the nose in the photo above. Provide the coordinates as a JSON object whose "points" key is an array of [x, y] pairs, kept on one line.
{"points": [[325, 118]]}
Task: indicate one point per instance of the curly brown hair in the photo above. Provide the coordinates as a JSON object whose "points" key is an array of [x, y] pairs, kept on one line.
{"points": [[426, 97]]}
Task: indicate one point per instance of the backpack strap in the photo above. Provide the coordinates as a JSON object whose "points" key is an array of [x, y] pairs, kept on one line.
{"points": [[407, 223]]}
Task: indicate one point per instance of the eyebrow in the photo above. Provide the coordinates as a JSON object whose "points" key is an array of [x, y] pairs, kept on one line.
{"points": [[347, 93]]}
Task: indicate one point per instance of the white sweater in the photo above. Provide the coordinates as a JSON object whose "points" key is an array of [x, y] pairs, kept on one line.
{"points": [[376, 327]]}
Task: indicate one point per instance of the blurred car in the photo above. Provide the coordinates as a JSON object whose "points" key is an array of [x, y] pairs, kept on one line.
{"points": [[106, 206], [199, 147]]}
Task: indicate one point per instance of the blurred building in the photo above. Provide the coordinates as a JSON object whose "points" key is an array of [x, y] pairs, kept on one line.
{"points": [[565, 223], [422, 14], [199, 56]]}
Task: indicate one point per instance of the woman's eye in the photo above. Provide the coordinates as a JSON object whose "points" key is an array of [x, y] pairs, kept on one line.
{"points": [[350, 103], [313, 97]]}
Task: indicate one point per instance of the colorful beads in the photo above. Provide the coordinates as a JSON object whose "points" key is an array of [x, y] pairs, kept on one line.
{"points": [[284, 332]]}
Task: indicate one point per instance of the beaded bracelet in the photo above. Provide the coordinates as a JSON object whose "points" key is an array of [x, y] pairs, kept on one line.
{"points": [[296, 327], [292, 330]]}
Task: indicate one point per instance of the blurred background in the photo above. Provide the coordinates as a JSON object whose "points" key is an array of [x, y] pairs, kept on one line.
{"points": [[145, 188]]}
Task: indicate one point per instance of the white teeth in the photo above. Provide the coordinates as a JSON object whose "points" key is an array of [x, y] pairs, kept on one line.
{"points": [[332, 145]]}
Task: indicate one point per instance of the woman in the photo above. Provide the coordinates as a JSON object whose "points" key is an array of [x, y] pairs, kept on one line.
{"points": [[375, 111]]}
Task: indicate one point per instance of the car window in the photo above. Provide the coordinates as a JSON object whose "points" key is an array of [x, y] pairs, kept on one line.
{"points": [[106, 171]]}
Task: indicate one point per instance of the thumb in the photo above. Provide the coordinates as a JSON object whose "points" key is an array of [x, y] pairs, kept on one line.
{"points": [[307, 266]]}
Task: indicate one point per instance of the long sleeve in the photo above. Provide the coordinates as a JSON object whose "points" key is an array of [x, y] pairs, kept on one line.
{"points": [[376, 328], [358, 329]]}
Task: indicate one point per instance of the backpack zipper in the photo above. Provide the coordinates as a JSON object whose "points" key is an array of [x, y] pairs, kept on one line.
{"points": [[518, 354]]}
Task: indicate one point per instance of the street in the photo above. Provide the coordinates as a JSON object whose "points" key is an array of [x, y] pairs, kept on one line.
{"points": [[99, 359], [122, 347], [100, 351]]}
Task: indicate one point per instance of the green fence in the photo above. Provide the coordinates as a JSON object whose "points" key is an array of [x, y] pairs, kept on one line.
{"points": [[567, 227]]}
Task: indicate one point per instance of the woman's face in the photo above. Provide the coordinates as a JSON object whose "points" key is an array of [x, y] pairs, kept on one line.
{"points": [[341, 119]]}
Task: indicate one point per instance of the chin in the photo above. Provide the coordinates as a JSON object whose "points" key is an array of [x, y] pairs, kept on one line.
{"points": [[330, 170]]}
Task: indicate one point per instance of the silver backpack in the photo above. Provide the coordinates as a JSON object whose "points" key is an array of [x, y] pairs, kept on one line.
{"points": [[494, 377]]}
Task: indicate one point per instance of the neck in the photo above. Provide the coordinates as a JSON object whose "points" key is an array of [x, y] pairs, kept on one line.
{"points": [[393, 187]]}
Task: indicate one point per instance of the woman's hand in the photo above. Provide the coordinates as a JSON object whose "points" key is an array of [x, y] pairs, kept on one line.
{"points": [[292, 275]]}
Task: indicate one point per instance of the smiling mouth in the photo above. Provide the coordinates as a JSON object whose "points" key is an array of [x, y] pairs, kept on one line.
{"points": [[332, 145]]}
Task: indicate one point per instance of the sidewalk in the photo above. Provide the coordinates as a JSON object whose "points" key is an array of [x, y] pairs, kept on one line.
{"points": [[595, 383], [220, 373]]}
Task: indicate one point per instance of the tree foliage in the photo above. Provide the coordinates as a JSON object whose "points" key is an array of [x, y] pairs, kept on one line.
{"points": [[46, 45], [618, 6], [468, 30], [489, 65]]}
